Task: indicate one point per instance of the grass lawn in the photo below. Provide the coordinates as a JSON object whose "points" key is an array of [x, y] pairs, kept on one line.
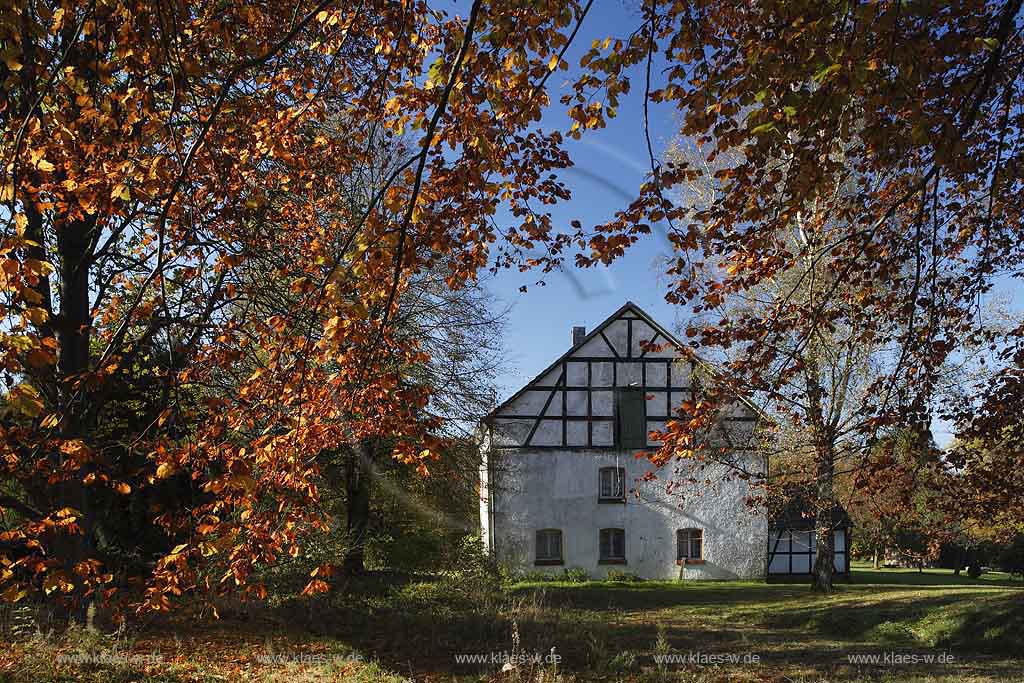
{"points": [[388, 632]]}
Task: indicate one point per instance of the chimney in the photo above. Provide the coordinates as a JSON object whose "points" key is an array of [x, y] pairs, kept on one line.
{"points": [[578, 333]]}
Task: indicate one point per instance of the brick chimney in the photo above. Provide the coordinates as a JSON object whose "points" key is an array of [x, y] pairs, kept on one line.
{"points": [[578, 333]]}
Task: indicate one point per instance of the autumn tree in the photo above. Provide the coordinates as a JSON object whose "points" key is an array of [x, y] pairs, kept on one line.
{"points": [[811, 431], [459, 331], [154, 154], [916, 111]]}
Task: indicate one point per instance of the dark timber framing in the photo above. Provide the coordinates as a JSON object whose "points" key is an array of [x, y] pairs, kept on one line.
{"points": [[776, 534], [629, 313]]}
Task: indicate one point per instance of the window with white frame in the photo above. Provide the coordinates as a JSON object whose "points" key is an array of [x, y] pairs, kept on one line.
{"points": [[690, 544], [612, 485]]}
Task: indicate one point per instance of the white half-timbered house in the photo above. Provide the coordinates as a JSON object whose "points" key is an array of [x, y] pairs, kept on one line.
{"points": [[561, 486]]}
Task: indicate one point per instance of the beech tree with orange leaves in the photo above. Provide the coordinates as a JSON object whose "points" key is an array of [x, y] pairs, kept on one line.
{"points": [[155, 156]]}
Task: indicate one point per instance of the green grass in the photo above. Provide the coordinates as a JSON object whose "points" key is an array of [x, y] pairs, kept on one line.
{"points": [[862, 572], [608, 631]]}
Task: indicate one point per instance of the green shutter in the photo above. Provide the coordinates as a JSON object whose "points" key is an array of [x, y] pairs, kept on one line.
{"points": [[631, 417]]}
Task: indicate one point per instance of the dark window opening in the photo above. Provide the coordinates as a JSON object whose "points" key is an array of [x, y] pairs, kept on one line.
{"points": [[690, 544], [549, 546], [613, 545]]}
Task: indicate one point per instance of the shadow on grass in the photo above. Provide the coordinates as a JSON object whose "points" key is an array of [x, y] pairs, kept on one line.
{"points": [[411, 625]]}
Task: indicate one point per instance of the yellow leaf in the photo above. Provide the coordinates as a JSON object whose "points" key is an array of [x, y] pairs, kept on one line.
{"points": [[45, 166], [553, 63], [13, 594], [37, 315], [25, 399], [121, 191], [55, 582], [165, 470]]}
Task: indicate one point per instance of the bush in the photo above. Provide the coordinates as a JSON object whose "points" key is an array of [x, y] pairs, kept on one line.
{"points": [[470, 557], [575, 575], [974, 571], [620, 576]]}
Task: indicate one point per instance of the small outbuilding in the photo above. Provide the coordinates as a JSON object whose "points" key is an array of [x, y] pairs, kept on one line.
{"points": [[792, 544]]}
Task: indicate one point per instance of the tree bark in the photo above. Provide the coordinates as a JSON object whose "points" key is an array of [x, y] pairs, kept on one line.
{"points": [[824, 565], [359, 471], [876, 560], [824, 471], [73, 328]]}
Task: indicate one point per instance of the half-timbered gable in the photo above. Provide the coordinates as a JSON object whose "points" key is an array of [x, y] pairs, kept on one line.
{"points": [[614, 387]]}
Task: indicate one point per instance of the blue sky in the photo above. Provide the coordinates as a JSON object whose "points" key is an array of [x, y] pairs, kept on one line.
{"points": [[609, 166]]}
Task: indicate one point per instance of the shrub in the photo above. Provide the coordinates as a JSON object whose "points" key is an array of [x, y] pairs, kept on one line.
{"points": [[535, 577], [575, 575], [620, 576]]}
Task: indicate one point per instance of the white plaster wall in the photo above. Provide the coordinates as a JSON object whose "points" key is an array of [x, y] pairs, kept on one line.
{"points": [[558, 489]]}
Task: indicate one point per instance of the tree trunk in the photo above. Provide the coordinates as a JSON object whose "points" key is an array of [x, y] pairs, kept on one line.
{"points": [[824, 564], [824, 472], [359, 471], [876, 560], [73, 326]]}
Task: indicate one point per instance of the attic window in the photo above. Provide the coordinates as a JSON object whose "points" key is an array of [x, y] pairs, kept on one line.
{"points": [[630, 417]]}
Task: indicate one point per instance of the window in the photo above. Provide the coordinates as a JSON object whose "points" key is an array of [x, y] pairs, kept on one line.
{"points": [[612, 487], [630, 417], [613, 546], [689, 544], [549, 546]]}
